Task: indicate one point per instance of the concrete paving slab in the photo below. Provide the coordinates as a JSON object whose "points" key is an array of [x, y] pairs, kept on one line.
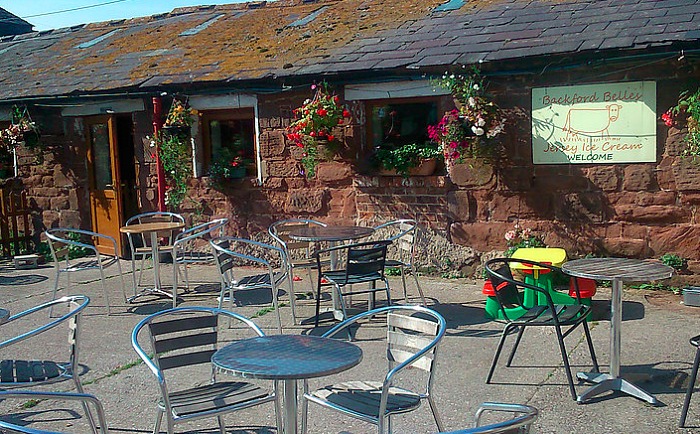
{"points": [[655, 351]]}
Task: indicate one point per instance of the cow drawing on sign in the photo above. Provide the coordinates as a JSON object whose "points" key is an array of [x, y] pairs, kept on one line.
{"points": [[591, 121]]}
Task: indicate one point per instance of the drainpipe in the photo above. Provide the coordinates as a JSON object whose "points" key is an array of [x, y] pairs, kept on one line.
{"points": [[157, 116]]}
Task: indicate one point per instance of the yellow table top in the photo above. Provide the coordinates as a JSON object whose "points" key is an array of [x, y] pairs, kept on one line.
{"points": [[551, 255]]}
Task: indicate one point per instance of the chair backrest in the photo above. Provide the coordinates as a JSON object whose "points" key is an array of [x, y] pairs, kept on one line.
{"points": [[187, 239], [152, 217], [402, 232], [524, 416], [413, 335], [506, 285], [181, 337], [63, 242], [280, 231], [231, 251], [365, 258], [75, 304]]}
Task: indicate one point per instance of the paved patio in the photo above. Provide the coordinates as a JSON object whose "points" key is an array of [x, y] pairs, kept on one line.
{"points": [[655, 350]]}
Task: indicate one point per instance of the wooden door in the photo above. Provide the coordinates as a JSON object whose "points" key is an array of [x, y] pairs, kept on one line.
{"points": [[104, 180]]}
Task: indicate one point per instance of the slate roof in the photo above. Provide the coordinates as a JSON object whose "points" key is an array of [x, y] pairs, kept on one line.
{"points": [[11, 24], [258, 44]]}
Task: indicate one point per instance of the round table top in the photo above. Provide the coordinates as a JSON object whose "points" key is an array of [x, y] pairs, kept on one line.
{"points": [[140, 228], [286, 357], [632, 270], [330, 233]]}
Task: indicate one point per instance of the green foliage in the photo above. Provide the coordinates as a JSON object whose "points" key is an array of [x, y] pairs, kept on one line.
{"points": [[657, 287], [228, 164], [43, 249], [174, 152], [31, 403], [674, 261], [75, 252], [393, 271], [687, 112], [522, 237], [403, 158]]}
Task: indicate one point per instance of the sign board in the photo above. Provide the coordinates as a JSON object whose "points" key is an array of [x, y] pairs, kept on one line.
{"points": [[598, 123]]}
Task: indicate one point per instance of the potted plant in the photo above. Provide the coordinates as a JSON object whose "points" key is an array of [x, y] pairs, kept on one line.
{"points": [[469, 130], [686, 114], [313, 129], [229, 165], [417, 159], [174, 153]]}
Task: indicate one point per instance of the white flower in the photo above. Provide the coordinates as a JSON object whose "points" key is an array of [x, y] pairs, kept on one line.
{"points": [[452, 77], [472, 101], [480, 122], [478, 130], [476, 87]]}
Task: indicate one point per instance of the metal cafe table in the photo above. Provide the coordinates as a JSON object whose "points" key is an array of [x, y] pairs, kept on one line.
{"points": [[287, 358], [152, 228], [617, 270], [332, 235]]}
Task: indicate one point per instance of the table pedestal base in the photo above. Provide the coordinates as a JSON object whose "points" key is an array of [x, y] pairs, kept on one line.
{"points": [[606, 382]]}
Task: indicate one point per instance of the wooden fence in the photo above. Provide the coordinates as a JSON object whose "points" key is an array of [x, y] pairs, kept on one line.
{"points": [[15, 231]]}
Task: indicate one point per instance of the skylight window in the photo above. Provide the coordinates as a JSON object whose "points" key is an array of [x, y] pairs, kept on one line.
{"points": [[451, 5], [307, 19], [196, 29], [97, 40]]}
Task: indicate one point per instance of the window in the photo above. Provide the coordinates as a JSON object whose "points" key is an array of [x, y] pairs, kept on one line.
{"points": [[400, 122], [230, 133]]}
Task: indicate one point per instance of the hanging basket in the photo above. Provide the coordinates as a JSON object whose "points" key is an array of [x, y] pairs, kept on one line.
{"points": [[177, 130]]}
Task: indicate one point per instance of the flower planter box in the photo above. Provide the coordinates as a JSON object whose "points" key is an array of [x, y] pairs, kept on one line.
{"points": [[425, 168], [691, 296], [236, 172]]}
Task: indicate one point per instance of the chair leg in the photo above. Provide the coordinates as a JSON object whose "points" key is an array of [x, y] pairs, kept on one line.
{"points": [[521, 330], [187, 277], [175, 283], [403, 282], [143, 264], [276, 305], [594, 359], [133, 273], [222, 425], [388, 293], [506, 330], [565, 358], [436, 416], [292, 296], [318, 302], [311, 279], [420, 290], [691, 386], [121, 278], [159, 419], [104, 291], [55, 290], [86, 407]]}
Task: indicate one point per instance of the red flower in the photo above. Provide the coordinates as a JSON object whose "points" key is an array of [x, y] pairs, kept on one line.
{"points": [[322, 112], [330, 137], [346, 113]]}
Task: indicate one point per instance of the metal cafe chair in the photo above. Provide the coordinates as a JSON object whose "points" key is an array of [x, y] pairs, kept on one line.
{"points": [[25, 373], [519, 317], [520, 423], [140, 244], [403, 234], [364, 264], [64, 241], [231, 251], [298, 254], [413, 335], [84, 398], [180, 340], [694, 341], [190, 248]]}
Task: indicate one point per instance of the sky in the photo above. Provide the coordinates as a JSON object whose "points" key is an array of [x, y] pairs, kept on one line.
{"points": [[47, 14]]}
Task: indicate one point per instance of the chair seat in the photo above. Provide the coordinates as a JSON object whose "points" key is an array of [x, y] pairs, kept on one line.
{"points": [[362, 398], [147, 250], [29, 371], [217, 396], [194, 257], [88, 264], [259, 280], [542, 315], [307, 262]]}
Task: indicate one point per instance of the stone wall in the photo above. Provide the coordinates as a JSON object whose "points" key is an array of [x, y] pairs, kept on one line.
{"points": [[638, 210]]}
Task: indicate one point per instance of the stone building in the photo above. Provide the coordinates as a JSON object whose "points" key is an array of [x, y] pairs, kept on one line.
{"points": [[244, 67]]}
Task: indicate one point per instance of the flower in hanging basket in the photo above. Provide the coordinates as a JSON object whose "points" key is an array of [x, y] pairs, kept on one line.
{"points": [[470, 130], [686, 114], [229, 164], [179, 115], [21, 131], [315, 121]]}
